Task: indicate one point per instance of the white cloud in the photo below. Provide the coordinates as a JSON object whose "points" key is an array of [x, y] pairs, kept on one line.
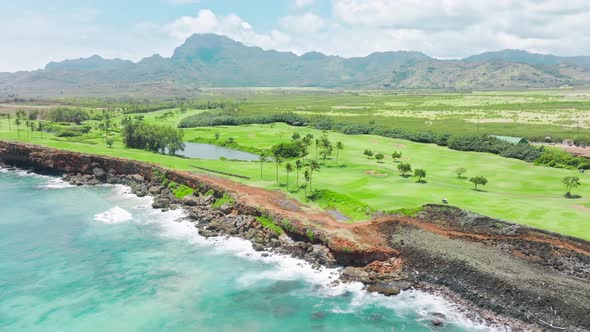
{"points": [[304, 3], [230, 25], [306, 23]]}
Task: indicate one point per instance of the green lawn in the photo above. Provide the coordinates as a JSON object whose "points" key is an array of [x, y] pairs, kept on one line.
{"points": [[517, 191]]}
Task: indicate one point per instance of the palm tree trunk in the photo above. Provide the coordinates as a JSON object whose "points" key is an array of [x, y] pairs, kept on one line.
{"points": [[277, 164], [298, 178]]}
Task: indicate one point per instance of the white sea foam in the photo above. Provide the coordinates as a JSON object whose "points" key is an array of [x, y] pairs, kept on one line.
{"points": [[114, 215], [55, 183]]}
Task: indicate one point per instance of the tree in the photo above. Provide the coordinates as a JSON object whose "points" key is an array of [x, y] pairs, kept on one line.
{"points": [[307, 176], [317, 143], [298, 166], [570, 182], [306, 140], [339, 146], [20, 117], [460, 171], [478, 180], [217, 134], [40, 127], [295, 136], [325, 147], [379, 156], [32, 126], [396, 155], [110, 142], [313, 167], [368, 153], [289, 169], [262, 158], [278, 161], [420, 174], [404, 168]]}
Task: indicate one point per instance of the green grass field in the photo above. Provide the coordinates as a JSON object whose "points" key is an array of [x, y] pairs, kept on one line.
{"points": [[517, 191]]}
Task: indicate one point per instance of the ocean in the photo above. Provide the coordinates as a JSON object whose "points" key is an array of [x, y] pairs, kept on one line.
{"points": [[101, 259]]}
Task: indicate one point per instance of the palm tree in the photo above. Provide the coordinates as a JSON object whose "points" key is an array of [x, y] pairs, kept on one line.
{"points": [[317, 142], [298, 166], [262, 158], [314, 166], [306, 140], [278, 161], [289, 169], [307, 175], [339, 146], [40, 128]]}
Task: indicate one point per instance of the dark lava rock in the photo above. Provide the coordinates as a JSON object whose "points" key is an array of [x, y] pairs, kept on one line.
{"points": [[190, 200], [155, 190], [257, 246], [99, 173], [161, 202], [437, 322], [385, 288]]}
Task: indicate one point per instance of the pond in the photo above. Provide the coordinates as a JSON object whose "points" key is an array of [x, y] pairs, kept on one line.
{"points": [[214, 152]]}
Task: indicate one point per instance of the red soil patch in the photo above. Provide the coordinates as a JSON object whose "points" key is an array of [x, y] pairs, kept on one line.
{"points": [[374, 141]]}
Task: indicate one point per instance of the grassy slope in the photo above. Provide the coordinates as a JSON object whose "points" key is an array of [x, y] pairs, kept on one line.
{"points": [[517, 191]]}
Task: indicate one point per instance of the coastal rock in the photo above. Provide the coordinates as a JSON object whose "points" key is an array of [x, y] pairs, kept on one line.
{"points": [[137, 178], [258, 246], [99, 174], [351, 273], [226, 208], [155, 190], [385, 288], [161, 202], [190, 200]]}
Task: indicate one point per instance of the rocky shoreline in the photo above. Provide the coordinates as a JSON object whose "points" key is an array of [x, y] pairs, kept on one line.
{"points": [[388, 256]]}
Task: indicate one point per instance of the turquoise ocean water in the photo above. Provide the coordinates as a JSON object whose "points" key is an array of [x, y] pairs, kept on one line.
{"points": [[100, 259]]}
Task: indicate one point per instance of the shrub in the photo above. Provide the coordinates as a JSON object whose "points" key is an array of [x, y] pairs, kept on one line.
{"points": [[267, 222]]}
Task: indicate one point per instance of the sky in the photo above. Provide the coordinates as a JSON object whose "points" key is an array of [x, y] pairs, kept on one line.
{"points": [[35, 32]]}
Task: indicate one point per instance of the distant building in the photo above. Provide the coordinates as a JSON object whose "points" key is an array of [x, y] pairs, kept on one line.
{"points": [[510, 139]]}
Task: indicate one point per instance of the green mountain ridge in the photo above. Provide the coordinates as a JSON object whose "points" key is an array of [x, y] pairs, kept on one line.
{"points": [[207, 60]]}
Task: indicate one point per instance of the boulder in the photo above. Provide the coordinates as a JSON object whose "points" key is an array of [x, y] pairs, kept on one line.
{"points": [[161, 203], [99, 174], [226, 208], [155, 190], [385, 288], [258, 246], [137, 178], [354, 273], [190, 200]]}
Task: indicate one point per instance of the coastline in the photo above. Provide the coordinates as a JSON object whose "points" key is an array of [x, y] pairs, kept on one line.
{"points": [[366, 251]]}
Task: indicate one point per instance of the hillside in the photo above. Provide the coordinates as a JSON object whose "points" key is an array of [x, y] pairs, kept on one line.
{"points": [[216, 61]]}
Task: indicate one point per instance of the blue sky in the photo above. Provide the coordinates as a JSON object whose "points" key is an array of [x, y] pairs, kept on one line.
{"points": [[34, 32]]}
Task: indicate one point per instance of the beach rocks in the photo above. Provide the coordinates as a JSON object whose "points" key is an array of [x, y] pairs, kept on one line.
{"points": [[385, 288], [99, 174], [161, 203], [190, 200]]}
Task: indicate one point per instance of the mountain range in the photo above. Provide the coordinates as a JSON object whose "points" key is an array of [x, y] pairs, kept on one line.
{"points": [[208, 60]]}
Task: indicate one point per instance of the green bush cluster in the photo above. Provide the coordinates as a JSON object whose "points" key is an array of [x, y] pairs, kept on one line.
{"points": [[139, 134], [562, 159], [64, 114], [267, 222], [226, 198]]}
